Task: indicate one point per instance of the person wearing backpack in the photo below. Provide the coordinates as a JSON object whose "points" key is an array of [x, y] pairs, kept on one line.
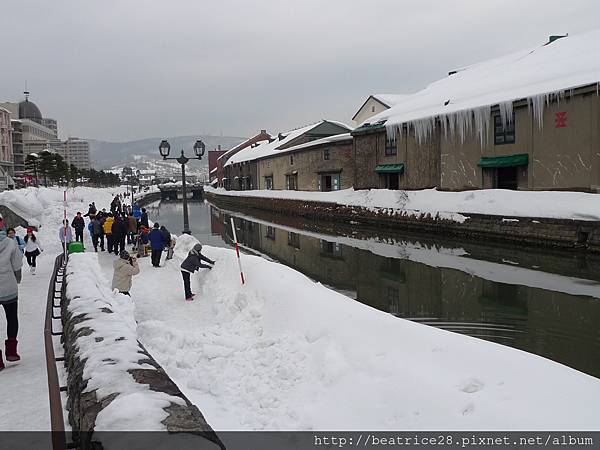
{"points": [[10, 232]]}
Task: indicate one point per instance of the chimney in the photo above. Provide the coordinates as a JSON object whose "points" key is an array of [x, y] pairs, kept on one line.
{"points": [[219, 147], [555, 37], [280, 136], [263, 131]]}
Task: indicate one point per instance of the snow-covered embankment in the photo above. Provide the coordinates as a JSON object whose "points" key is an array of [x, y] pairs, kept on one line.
{"points": [[283, 352], [111, 375]]}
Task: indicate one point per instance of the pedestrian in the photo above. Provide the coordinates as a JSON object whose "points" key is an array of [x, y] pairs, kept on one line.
{"points": [[157, 244], [133, 227], [97, 233], [79, 224], [137, 213], [10, 232], [167, 235], [107, 227], [11, 260], [64, 234], [190, 264], [144, 218], [125, 268], [91, 211], [119, 232], [115, 205], [33, 247], [171, 248]]}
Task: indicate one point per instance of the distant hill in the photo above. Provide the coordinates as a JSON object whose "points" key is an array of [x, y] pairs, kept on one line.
{"points": [[105, 155]]}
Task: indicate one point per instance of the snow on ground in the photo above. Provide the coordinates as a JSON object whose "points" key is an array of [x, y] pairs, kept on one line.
{"points": [[24, 384], [285, 353], [450, 205]]}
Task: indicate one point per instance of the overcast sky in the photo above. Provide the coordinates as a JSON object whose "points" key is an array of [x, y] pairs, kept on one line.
{"points": [[129, 69]]}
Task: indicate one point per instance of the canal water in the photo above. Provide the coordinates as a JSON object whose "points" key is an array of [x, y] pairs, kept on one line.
{"points": [[542, 302]]}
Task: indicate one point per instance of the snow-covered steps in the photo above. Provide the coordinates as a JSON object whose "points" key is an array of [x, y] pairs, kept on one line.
{"points": [[114, 384]]}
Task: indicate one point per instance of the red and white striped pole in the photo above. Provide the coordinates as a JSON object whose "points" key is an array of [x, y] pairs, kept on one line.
{"points": [[237, 250]]}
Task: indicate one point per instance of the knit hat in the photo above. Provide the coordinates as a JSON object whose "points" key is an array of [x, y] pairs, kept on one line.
{"points": [[124, 254], [197, 248], [29, 229]]}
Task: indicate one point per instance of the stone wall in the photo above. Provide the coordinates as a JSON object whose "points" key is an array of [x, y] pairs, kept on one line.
{"points": [[573, 234], [12, 219], [146, 199], [84, 406]]}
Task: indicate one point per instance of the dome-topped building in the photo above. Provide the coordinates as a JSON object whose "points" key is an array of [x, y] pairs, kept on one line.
{"points": [[29, 110]]}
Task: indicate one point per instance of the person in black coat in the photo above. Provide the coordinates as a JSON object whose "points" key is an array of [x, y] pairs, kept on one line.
{"points": [[190, 264], [79, 224], [119, 233], [144, 218], [91, 211]]}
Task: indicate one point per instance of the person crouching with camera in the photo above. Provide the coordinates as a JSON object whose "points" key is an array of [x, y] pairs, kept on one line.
{"points": [[125, 268]]}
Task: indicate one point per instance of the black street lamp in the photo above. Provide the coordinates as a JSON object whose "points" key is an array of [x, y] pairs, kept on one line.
{"points": [[164, 148]]}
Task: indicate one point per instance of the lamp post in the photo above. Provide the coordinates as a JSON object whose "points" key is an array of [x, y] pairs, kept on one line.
{"points": [[164, 148]]}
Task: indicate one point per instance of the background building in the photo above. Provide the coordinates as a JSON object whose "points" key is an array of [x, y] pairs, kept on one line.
{"points": [[76, 151], [17, 149], [36, 136], [6, 158]]}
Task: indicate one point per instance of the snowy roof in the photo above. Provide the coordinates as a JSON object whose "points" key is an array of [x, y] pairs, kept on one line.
{"points": [[389, 100], [266, 148], [533, 74], [325, 140], [215, 181], [214, 170], [232, 149]]}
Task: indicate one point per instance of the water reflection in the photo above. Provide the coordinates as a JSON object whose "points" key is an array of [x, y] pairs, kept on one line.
{"points": [[540, 302]]}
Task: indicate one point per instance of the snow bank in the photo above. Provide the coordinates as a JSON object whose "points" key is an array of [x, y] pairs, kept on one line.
{"points": [[33, 204], [284, 353], [454, 206], [111, 350]]}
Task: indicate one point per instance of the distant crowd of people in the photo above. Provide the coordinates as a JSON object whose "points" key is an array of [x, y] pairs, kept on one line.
{"points": [[123, 225]]}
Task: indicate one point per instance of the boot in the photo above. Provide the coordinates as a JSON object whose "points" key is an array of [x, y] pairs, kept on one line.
{"points": [[33, 270], [11, 349], [1, 361]]}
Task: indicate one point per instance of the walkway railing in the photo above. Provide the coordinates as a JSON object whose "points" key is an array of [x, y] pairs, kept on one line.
{"points": [[55, 291]]}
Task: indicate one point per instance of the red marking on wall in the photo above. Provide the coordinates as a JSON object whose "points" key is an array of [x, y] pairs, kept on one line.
{"points": [[560, 121]]}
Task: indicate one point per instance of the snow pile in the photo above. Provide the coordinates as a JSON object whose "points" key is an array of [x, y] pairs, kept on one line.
{"points": [[463, 100], [33, 204], [111, 349], [285, 353], [454, 206]]}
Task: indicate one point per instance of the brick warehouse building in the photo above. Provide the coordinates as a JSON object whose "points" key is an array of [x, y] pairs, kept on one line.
{"points": [[504, 123]]}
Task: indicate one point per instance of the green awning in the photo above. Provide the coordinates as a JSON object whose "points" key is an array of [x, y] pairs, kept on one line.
{"points": [[521, 159], [390, 168]]}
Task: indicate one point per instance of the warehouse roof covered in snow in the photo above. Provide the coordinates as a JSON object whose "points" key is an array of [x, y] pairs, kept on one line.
{"points": [[274, 146], [462, 101]]}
